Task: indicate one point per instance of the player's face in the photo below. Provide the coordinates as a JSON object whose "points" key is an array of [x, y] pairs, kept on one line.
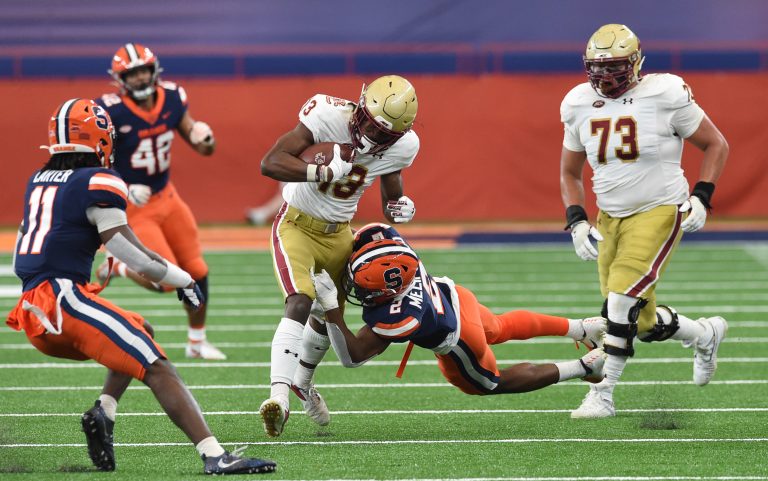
{"points": [[369, 136], [138, 78], [610, 74]]}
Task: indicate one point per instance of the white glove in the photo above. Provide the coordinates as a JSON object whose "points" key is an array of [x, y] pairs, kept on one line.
{"points": [[580, 233], [317, 312], [697, 214], [402, 210], [201, 133], [139, 194], [327, 295], [337, 168]]}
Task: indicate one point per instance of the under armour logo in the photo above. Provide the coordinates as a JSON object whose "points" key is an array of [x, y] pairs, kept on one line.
{"points": [[627, 101], [295, 354]]}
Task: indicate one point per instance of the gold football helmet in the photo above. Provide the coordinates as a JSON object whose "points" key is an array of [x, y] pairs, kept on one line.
{"points": [[385, 112], [613, 60]]}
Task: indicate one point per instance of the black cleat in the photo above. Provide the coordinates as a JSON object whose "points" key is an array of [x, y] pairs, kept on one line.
{"points": [[233, 463], [98, 430]]}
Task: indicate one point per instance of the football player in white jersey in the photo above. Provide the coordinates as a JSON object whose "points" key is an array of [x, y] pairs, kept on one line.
{"points": [[311, 231], [631, 130]]}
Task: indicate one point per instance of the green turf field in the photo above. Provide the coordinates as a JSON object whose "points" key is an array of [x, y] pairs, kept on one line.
{"points": [[419, 427]]}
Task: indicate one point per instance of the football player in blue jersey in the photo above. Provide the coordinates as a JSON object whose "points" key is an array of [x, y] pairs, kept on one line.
{"points": [[402, 302], [73, 205], [147, 114]]}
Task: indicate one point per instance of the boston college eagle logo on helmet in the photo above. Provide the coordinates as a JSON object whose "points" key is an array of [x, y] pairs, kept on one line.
{"points": [[380, 271]]}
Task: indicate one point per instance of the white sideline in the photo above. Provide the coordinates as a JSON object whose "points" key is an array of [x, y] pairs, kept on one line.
{"points": [[399, 385], [441, 412], [423, 441], [93, 365]]}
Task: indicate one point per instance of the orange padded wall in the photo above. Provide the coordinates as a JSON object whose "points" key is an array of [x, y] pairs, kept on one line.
{"points": [[490, 144]]}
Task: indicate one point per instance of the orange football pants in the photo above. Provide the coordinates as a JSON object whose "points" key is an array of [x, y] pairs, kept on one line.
{"points": [[471, 365], [91, 328], [166, 225]]}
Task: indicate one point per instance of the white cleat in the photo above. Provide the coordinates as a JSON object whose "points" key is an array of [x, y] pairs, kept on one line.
{"points": [[274, 416], [204, 350], [593, 362], [596, 405], [314, 404], [594, 331], [705, 357]]}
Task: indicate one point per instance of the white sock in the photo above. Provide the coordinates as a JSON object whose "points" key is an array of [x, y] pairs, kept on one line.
{"points": [[570, 370], [286, 348], [575, 329], [209, 447], [109, 405], [196, 335], [313, 347], [689, 330]]}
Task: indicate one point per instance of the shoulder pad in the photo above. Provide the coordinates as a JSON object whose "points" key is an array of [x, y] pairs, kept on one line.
{"points": [[168, 85], [108, 100]]}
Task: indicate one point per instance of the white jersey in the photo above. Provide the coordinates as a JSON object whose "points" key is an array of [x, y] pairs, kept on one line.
{"points": [[328, 119], [634, 143]]}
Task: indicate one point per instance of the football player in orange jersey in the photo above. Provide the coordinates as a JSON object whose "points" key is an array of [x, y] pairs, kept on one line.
{"points": [[74, 203], [147, 113]]}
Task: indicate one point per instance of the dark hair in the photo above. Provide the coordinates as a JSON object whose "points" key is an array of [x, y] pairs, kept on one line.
{"points": [[72, 160]]}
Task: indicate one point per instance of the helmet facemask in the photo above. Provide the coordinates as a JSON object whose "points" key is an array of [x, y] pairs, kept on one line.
{"points": [[370, 135], [144, 90], [379, 272], [612, 77]]}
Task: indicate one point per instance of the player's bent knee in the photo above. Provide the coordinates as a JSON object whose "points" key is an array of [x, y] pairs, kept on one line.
{"points": [[297, 307], [626, 331], [667, 324], [197, 268]]}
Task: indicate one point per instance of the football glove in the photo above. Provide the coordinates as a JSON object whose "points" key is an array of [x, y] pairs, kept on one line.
{"points": [[201, 133], [697, 214], [139, 194], [401, 210], [336, 168], [327, 295], [191, 295], [580, 232]]}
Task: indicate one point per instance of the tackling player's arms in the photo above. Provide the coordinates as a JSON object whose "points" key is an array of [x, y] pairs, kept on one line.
{"points": [[361, 347], [282, 161]]}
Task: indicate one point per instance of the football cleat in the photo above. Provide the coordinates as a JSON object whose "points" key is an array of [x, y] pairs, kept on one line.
{"points": [[593, 362], [594, 331], [203, 350], [234, 463], [98, 430], [274, 416], [705, 357], [314, 404], [596, 404]]}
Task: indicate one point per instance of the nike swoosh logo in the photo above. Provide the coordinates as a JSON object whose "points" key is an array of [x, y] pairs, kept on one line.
{"points": [[224, 465]]}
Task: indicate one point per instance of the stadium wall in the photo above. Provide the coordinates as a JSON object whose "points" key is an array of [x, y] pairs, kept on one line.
{"points": [[490, 143]]}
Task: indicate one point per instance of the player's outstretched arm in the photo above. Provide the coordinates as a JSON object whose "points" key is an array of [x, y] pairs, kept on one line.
{"points": [[352, 350], [120, 240], [198, 135]]}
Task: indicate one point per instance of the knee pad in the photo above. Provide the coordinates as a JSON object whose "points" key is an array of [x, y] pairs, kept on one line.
{"points": [[666, 325], [627, 331]]}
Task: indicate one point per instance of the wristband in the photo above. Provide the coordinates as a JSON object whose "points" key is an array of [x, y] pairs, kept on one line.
{"points": [[175, 276], [573, 214], [704, 190]]}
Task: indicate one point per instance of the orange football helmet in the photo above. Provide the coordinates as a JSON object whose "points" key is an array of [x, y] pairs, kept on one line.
{"points": [[379, 271], [131, 56], [81, 125]]}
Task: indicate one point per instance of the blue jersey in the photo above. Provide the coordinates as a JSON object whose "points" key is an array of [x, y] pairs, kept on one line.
{"points": [[425, 315], [58, 241], [144, 138]]}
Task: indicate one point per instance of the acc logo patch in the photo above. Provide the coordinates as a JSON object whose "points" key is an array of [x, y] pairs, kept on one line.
{"points": [[598, 103]]}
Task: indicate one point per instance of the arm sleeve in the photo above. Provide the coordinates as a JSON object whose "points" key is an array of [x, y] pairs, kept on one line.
{"points": [[340, 346], [105, 218], [163, 272]]}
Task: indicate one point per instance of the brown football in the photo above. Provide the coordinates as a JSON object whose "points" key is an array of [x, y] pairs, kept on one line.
{"points": [[322, 153]]}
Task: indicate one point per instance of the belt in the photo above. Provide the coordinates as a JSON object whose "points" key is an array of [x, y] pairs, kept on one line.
{"points": [[305, 220]]}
